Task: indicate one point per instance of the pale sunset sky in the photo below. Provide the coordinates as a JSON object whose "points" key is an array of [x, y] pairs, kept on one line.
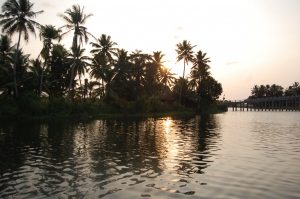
{"points": [[248, 41]]}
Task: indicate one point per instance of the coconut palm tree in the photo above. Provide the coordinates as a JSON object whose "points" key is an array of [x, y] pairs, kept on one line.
{"points": [[35, 71], [103, 70], [75, 19], [17, 17], [200, 68], [139, 62], [5, 66], [167, 77], [104, 46], [59, 77], [200, 73], [98, 68], [152, 71], [5, 48], [184, 52], [157, 60], [48, 33], [20, 60], [79, 64], [122, 65]]}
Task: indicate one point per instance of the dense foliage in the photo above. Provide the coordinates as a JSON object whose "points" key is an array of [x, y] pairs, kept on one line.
{"points": [[274, 90], [109, 75]]}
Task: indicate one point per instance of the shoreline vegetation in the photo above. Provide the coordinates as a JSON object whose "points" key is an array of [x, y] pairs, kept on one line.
{"points": [[58, 109], [107, 81], [274, 90]]}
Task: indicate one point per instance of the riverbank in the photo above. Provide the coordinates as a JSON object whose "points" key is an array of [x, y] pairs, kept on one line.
{"points": [[60, 108]]}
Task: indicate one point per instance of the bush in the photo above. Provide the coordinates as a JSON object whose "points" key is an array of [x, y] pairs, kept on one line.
{"points": [[29, 104], [8, 107]]}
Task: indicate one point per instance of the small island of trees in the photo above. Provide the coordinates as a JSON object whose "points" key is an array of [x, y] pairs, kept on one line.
{"points": [[106, 79]]}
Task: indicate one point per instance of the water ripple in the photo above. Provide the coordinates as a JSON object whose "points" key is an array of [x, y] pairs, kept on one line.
{"points": [[232, 155]]}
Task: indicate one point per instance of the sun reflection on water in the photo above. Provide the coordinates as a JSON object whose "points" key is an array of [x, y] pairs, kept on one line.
{"points": [[171, 144]]}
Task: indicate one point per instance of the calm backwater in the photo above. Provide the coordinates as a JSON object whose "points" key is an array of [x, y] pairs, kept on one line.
{"points": [[230, 155]]}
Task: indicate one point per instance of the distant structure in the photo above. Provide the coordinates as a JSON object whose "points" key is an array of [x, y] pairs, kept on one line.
{"points": [[289, 103]]}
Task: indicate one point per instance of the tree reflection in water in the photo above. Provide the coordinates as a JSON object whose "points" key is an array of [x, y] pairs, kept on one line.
{"points": [[101, 157]]}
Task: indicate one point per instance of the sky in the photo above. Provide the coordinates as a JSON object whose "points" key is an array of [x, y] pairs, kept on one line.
{"points": [[248, 41]]}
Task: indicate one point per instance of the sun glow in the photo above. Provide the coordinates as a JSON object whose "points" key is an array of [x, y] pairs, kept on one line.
{"points": [[243, 47], [167, 124]]}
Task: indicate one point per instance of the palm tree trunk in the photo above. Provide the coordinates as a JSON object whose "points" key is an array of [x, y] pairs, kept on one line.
{"points": [[102, 92], [71, 80], [42, 76], [81, 89], [198, 95], [74, 44], [16, 93], [180, 93]]}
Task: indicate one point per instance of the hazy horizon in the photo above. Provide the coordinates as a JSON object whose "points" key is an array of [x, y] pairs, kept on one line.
{"points": [[248, 42]]}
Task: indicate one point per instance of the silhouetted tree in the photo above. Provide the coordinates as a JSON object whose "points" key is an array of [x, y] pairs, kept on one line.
{"points": [[166, 77], [184, 52], [199, 74], [104, 47], [47, 34], [34, 76], [75, 19], [78, 63], [266, 91], [59, 77], [139, 62], [17, 18], [5, 65], [293, 90], [121, 83]]}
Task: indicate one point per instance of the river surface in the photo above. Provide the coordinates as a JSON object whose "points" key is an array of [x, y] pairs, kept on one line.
{"points": [[229, 155]]}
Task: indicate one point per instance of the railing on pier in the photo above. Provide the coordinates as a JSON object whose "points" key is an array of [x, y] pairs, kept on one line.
{"points": [[289, 103]]}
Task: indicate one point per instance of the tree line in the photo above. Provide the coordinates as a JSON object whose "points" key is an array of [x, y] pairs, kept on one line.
{"points": [[274, 90], [108, 74]]}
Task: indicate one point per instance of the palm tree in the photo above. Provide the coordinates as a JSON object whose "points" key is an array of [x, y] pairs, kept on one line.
{"points": [[47, 34], [5, 67], [102, 69], [17, 18], [167, 77], [104, 46], [89, 89], [5, 48], [184, 52], [75, 19], [139, 62], [276, 90], [20, 60], [35, 72], [255, 92], [157, 59], [122, 69], [152, 71], [78, 65], [199, 73], [200, 68], [59, 77], [122, 65]]}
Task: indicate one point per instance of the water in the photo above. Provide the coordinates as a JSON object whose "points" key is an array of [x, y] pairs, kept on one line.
{"points": [[230, 155]]}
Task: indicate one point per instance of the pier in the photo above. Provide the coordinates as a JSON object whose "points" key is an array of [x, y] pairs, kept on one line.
{"points": [[288, 103]]}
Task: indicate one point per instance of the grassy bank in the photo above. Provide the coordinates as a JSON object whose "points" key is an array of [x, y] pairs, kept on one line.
{"points": [[31, 107]]}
